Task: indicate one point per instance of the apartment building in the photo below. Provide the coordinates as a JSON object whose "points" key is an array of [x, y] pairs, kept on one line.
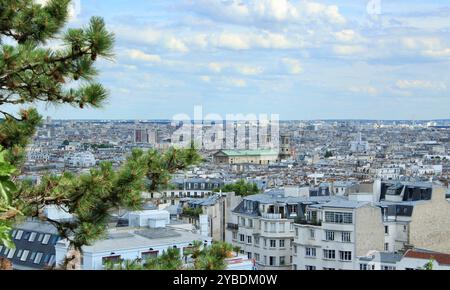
{"points": [[262, 226], [332, 235], [415, 214]]}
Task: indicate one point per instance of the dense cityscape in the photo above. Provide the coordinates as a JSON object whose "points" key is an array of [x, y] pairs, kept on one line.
{"points": [[355, 195], [319, 140]]}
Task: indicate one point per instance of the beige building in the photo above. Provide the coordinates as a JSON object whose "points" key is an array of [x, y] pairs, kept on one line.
{"points": [[261, 157]]}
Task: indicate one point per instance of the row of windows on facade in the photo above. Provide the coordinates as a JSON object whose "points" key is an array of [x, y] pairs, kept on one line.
{"points": [[269, 261], [186, 194], [372, 267], [311, 252], [31, 237], [272, 243], [27, 255], [346, 237], [268, 226], [198, 186]]}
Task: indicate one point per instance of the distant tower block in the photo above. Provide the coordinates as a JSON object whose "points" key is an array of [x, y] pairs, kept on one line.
{"points": [[285, 147]]}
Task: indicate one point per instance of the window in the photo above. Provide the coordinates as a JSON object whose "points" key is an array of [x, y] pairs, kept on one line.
{"points": [[282, 261], [26, 235], [32, 256], [281, 227], [329, 254], [386, 247], [250, 223], [249, 239], [265, 242], [257, 257], [345, 255], [242, 238], [257, 241], [111, 259], [329, 235], [296, 231], [329, 269], [310, 268], [24, 255], [40, 237], [295, 250], [363, 267], [38, 258], [19, 235], [234, 236], [32, 237], [54, 240], [312, 234], [273, 243], [281, 243], [386, 230], [1, 248], [310, 252], [272, 261], [346, 237], [405, 228], [11, 253], [46, 239], [388, 268], [338, 217]]}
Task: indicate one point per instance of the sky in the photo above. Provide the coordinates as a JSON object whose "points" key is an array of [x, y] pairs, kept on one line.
{"points": [[303, 60]]}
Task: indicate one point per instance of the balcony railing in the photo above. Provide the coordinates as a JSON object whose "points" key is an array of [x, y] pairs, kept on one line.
{"points": [[272, 216]]}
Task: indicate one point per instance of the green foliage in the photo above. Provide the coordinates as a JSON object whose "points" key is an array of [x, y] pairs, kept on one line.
{"points": [[7, 189], [428, 266], [328, 154], [204, 258], [241, 188], [192, 212], [31, 73]]}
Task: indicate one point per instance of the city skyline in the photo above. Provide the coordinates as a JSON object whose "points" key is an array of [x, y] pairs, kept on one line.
{"points": [[303, 60]]}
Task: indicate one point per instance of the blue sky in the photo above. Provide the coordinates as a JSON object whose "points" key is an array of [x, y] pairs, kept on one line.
{"points": [[317, 59]]}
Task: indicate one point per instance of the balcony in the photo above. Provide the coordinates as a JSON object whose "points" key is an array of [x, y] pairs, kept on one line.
{"points": [[272, 216], [309, 222], [233, 227]]}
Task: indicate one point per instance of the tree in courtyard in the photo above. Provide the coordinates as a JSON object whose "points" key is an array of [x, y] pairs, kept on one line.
{"points": [[32, 72], [241, 188]]}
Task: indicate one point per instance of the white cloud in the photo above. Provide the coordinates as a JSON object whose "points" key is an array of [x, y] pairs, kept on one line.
{"points": [[142, 56], [437, 53], [364, 90], [175, 44], [346, 35], [232, 41], [206, 79], [261, 11], [349, 49], [240, 83], [216, 67], [293, 65], [249, 70], [420, 84]]}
